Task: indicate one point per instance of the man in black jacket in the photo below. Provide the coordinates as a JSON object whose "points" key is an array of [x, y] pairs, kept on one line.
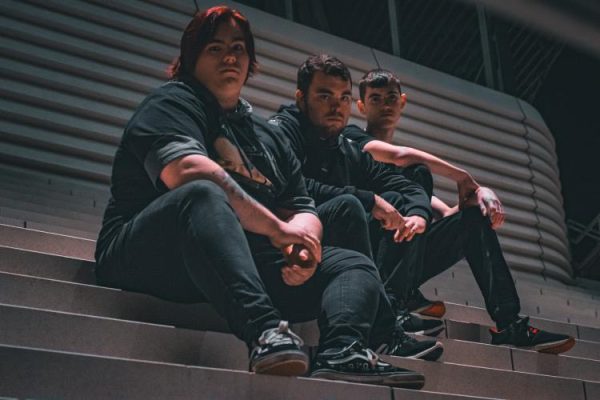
{"points": [[467, 233], [398, 210]]}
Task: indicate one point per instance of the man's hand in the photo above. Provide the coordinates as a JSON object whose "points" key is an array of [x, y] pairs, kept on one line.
{"points": [[489, 204], [413, 225], [385, 213], [466, 188], [286, 235], [301, 267]]}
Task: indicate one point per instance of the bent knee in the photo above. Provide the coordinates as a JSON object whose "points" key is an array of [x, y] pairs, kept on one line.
{"points": [[351, 205], [200, 190]]}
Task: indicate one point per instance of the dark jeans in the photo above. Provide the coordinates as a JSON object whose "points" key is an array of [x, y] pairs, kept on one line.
{"points": [[346, 224], [468, 234], [188, 246]]}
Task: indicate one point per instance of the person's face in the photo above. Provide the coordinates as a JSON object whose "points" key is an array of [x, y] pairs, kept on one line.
{"points": [[222, 66], [327, 103], [382, 106]]}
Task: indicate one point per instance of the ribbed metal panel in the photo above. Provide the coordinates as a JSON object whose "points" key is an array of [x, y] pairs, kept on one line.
{"points": [[72, 72]]}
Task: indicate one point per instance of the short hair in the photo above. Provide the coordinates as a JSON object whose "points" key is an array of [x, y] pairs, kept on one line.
{"points": [[327, 64], [377, 78], [200, 31]]}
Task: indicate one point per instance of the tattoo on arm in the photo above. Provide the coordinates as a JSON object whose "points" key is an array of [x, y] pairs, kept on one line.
{"points": [[231, 187]]}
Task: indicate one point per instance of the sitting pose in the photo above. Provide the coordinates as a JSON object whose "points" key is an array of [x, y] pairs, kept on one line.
{"points": [[468, 233], [209, 204], [334, 164], [394, 208]]}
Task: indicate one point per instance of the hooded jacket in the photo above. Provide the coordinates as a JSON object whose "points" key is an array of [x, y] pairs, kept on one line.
{"points": [[182, 118], [339, 166]]}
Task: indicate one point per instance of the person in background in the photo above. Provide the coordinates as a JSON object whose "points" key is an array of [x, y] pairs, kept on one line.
{"points": [[463, 231]]}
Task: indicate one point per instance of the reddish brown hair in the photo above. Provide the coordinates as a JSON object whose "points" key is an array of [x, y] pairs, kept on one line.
{"points": [[200, 31]]}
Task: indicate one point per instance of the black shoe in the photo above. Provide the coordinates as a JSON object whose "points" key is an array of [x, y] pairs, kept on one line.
{"points": [[405, 346], [278, 353], [417, 303], [419, 326], [521, 334], [356, 363]]}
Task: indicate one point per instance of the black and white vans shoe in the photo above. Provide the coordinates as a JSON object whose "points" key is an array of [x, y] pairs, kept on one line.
{"points": [[356, 363], [278, 353]]}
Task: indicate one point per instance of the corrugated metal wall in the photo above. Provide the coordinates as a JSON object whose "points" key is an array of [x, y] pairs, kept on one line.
{"points": [[73, 71]]}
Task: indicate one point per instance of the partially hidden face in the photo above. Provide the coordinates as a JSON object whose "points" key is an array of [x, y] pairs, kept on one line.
{"points": [[222, 66], [383, 106], [327, 103]]}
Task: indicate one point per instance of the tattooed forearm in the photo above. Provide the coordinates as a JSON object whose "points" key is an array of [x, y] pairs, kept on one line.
{"points": [[232, 188]]}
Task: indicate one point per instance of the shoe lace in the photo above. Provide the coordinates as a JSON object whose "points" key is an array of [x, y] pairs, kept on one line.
{"points": [[523, 326], [281, 333], [372, 357]]}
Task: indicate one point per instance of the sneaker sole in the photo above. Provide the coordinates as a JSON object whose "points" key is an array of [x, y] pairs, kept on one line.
{"points": [[556, 347], [430, 354], [288, 363], [407, 381], [437, 310]]}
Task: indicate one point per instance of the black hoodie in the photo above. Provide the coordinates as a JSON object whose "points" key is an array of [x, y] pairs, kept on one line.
{"points": [[341, 167]]}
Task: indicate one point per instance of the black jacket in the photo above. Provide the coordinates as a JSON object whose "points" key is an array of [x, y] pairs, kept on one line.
{"points": [[342, 167], [183, 118]]}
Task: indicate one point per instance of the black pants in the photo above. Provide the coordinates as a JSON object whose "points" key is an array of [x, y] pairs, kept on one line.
{"points": [[188, 246], [467, 234]]}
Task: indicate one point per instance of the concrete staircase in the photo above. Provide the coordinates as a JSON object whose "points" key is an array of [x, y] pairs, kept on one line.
{"points": [[63, 337]]}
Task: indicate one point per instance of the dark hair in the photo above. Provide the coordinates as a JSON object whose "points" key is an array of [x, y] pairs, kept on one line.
{"points": [[327, 64], [377, 78], [200, 31]]}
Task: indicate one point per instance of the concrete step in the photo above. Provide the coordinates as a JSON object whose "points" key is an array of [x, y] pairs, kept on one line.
{"points": [[21, 290], [63, 268], [480, 334], [45, 204], [44, 196], [84, 334], [548, 306], [479, 381], [17, 290], [88, 224], [40, 373], [43, 265], [527, 284], [53, 229], [44, 242], [52, 182], [53, 330]]}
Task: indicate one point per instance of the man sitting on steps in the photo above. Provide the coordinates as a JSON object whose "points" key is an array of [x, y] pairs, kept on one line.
{"points": [[466, 233]]}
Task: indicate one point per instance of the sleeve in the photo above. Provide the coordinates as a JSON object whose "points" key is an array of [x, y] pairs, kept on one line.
{"points": [[165, 128], [322, 192], [295, 197], [357, 135], [388, 178], [290, 129]]}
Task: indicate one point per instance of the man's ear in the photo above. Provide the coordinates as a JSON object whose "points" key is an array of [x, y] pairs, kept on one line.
{"points": [[300, 99], [402, 101], [361, 106]]}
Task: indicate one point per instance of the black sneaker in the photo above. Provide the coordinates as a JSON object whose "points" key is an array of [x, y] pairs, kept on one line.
{"points": [[419, 326], [405, 346], [521, 334], [356, 363], [278, 353], [417, 303]]}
